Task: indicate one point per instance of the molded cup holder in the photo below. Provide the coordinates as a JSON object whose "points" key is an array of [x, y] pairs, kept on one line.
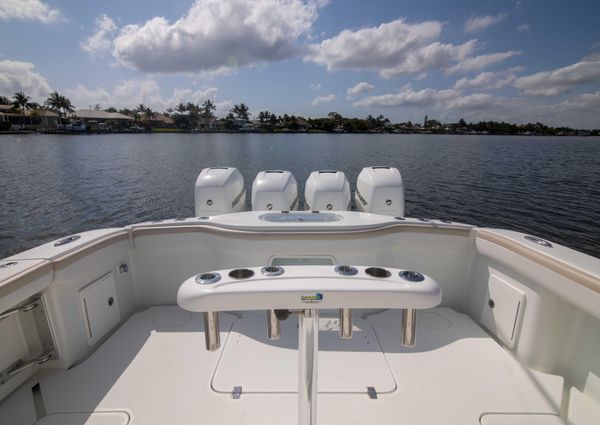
{"points": [[378, 272], [208, 278], [272, 270], [241, 274], [411, 276], [345, 270]]}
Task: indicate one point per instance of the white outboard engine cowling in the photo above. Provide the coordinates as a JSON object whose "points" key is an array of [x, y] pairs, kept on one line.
{"points": [[380, 190], [219, 190], [274, 190], [327, 191]]}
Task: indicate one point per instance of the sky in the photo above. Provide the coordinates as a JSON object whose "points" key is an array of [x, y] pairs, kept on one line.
{"points": [[512, 60]]}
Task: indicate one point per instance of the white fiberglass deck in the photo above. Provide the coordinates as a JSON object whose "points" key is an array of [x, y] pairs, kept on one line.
{"points": [[155, 370]]}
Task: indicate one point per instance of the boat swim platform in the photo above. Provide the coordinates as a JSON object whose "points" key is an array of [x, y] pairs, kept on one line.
{"points": [[155, 370]]}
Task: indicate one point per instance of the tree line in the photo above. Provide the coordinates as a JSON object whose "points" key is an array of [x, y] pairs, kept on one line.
{"points": [[193, 116]]}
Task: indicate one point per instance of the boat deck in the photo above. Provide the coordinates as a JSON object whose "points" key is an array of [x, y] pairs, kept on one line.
{"points": [[155, 370]]}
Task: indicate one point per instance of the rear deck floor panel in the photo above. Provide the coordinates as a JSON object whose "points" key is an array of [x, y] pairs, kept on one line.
{"points": [[155, 367]]}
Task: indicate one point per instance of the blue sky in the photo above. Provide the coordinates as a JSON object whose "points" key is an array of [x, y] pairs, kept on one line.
{"points": [[519, 61]]}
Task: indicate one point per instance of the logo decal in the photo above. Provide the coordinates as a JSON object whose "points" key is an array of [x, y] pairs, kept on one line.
{"points": [[313, 298]]}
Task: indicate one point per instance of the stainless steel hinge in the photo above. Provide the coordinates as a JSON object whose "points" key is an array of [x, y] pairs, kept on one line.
{"points": [[372, 392], [236, 393]]}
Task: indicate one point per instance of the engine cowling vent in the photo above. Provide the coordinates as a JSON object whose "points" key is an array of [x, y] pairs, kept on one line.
{"points": [[274, 190], [219, 190], [380, 190], [327, 191]]}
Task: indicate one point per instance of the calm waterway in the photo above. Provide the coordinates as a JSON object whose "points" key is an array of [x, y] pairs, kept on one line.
{"points": [[52, 186]]}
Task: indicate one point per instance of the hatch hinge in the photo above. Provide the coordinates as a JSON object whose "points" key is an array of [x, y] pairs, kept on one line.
{"points": [[372, 392], [236, 393]]}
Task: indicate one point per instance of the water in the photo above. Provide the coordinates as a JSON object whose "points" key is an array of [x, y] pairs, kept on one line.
{"points": [[53, 186]]}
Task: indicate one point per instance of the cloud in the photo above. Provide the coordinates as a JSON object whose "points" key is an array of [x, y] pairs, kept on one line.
{"points": [[523, 28], [18, 76], [480, 23], [218, 33], [360, 88], [130, 93], [560, 80], [392, 48], [398, 48], [489, 80], [100, 41], [314, 86], [589, 102], [477, 63], [408, 97], [30, 10], [323, 99]]}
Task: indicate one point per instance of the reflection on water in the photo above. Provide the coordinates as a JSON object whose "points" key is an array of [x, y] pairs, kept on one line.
{"points": [[56, 185]]}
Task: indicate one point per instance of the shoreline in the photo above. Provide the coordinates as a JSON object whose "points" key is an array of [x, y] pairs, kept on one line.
{"points": [[371, 133]]}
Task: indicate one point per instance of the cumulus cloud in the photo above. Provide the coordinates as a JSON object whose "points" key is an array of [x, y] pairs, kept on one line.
{"points": [[560, 80], [477, 63], [523, 28], [489, 80], [408, 97], [18, 76], [29, 10], [589, 102], [314, 86], [100, 42], [392, 48], [480, 23], [218, 33], [360, 88], [130, 93], [323, 99]]}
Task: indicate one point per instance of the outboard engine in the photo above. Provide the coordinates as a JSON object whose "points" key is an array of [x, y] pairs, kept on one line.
{"points": [[380, 190], [274, 190], [219, 190], [327, 191]]}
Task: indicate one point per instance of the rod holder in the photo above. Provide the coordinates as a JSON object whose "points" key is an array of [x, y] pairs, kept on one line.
{"points": [[345, 323], [273, 325], [211, 330], [409, 327]]}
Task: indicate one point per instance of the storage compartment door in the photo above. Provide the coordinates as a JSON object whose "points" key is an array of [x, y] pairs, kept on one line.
{"points": [[100, 308]]}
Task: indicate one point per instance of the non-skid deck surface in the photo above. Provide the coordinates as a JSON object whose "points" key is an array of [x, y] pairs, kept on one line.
{"points": [[258, 365], [155, 369]]}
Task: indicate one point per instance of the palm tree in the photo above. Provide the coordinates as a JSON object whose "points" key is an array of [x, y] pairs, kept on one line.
{"points": [[181, 108], [241, 111], [4, 100], [148, 114], [194, 110], [20, 101], [207, 107], [58, 103]]}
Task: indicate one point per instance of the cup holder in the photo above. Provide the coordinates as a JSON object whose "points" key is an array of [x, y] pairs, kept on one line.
{"points": [[377, 272], [272, 271], [411, 276], [208, 278], [345, 270], [241, 274]]}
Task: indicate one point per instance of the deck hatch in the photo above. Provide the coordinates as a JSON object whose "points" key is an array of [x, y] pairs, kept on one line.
{"points": [[259, 365]]}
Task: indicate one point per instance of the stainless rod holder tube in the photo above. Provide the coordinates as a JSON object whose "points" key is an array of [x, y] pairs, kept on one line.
{"points": [[345, 323], [409, 327], [308, 353], [211, 330], [273, 326]]}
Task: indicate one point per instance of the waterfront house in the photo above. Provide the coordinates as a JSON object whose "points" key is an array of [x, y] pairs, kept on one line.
{"points": [[109, 120]]}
